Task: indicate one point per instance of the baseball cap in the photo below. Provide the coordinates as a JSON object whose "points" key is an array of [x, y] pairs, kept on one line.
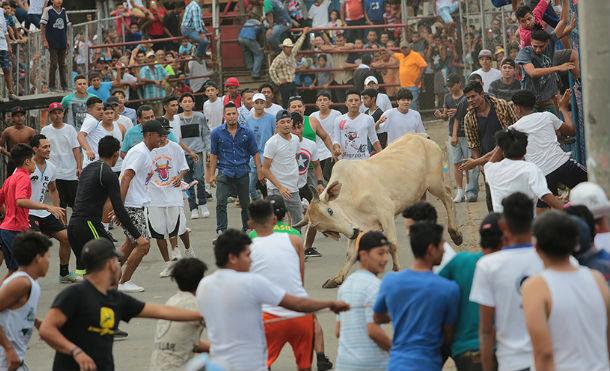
{"points": [[154, 126], [97, 252], [55, 106], [508, 61], [593, 197], [165, 123], [279, 206], [108, 106], [485, 53], [150, 54], [584, 235], [370, 79], [282, 114], [258, 96], [112, 100], [17, 109], [371, 240], [453, 79], [490, 232], [405, 44], [232, 81]]}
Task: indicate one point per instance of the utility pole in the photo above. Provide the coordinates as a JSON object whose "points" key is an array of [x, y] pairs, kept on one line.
{"points": [[594, 29]]}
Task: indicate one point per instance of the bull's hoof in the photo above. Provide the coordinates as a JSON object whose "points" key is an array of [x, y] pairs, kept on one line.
{"points": [[456, 236], [330, 283]]}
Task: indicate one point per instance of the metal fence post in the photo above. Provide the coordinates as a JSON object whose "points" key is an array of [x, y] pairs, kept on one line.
{"points": [[70, 56], [483, 41], [87, 50], [505, 46], [216, 28]]}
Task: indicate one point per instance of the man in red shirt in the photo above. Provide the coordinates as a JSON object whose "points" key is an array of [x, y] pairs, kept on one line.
{"points": [[15, 196], [352, 13]]}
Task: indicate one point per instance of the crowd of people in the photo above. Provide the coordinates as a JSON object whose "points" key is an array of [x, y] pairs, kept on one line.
{"points": [[131, 145]]}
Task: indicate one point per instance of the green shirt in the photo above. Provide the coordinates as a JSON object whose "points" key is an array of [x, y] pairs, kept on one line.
{"points": [[280, 227], [461, 270]]}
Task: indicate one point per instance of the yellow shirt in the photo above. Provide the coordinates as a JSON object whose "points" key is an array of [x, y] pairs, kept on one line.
{"points": [[409, 68]]}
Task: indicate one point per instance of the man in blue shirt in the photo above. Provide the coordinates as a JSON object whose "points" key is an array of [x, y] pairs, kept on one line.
{"points": [[99, 88], [253, 51], [421, 305], [193, 27], [134, 135], [374, 11], [232, 145], [262, 125]]}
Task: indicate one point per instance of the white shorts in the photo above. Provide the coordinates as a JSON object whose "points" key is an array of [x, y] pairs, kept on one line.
{"points": [[166, 221]]}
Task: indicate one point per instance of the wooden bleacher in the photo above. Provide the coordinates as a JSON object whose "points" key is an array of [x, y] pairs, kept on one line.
{"points": [[30, 102]]}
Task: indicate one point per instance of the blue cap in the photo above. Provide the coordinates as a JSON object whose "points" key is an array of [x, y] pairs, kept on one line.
{"points": [[282, 114]]}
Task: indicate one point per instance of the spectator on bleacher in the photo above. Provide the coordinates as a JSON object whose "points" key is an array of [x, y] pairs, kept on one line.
{"points": [[487, 73], [130, 113], [253, 51], [323, 78], [5, 58], [198, 75], [75, 104], [388, 67], [232, 92], [507, 85], [352, 12], [171, 24], [194, 28], [410, 71], [153, 76], [444, 9], [318, 13], [303, 63], [338, 60], [371, 40], [335, 21], [374, 10], [278, 20], [99, 88], [438, 61], [186, 48], [364, 71], [155, 27], [297, 11], [35, 13], [134, 34], [283, 67], [391, 15]]}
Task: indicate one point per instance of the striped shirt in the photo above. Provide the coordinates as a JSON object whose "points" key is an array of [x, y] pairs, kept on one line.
{"points": [[504, 111], [357, 351], [192, 18], [156, 72], [284, 66]]}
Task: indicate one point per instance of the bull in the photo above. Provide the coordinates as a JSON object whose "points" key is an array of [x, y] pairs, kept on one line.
{"points": [[367, 195]]}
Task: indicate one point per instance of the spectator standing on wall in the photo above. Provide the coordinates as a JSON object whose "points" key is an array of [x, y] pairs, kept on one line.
{"points": [[278, 19], [35, 13], [54, 33], [352, 12], [319, 13], [5, 58], [194, 28], [253, 52], [282, 69]]}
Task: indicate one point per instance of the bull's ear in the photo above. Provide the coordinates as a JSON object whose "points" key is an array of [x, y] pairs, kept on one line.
{"points": [[333, 190]]}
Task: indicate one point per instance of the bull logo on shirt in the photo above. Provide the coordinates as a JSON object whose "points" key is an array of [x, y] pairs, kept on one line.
{"points": [[162, 170], [107, 322]]}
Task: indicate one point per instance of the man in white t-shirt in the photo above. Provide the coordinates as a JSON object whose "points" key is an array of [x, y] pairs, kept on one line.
{"points": [[43, 180], [95, 113], [118, 117], [514, 174], [382, 101], [352, 130], [496, 287], [308, 154], [280, 166], [231, 300], [65, 154], [543, 149], [487, 72], [267, 90], [166, 209], [318, 13], [326, 116], [400, 120], [136, 174], [212, 107], [594, 198]]}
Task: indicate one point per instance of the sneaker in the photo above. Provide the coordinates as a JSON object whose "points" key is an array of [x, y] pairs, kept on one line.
{"points": [[120, 335], [203, 211], [80, 273], [189, 253], [471, 198], [231, 199], [312, 252], [304, 203], [70, 278], [167, 271], [324, 363], [130, 287], [194, 214], [175, 254], [459, 196]]}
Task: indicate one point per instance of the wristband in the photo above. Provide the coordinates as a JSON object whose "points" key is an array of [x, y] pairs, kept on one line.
{"points": [[75, 351], [320, 182]]}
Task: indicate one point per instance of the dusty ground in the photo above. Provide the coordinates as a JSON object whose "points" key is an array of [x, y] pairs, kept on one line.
{"points": [[134, 353]]}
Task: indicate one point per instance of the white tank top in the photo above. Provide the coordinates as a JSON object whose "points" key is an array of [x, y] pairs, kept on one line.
{"points": [[275, 258], [18, 324], [577, 321]]}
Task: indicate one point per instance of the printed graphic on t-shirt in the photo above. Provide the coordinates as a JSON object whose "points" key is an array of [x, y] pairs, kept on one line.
{"points": [[107, 321], [79, 111], [162, 164], [303, 159], [44, 184], [59, 24]]}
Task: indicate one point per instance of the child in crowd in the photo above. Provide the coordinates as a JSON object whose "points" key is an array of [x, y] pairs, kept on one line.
{"points": [[186, 48], [324, 78], [303, 79]]}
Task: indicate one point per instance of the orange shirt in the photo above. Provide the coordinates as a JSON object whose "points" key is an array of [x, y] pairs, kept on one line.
{"points": [[409, 68]]}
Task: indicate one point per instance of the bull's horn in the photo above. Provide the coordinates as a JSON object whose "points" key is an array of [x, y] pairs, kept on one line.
{"points": [[302, 223], [314, 192]]}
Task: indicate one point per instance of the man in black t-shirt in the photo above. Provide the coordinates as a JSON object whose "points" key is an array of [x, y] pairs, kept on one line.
{"points": [[84, 317], [369, 99]]}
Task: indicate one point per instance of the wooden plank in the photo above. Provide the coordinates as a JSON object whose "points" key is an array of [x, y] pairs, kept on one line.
{"points": [[30, 102]]}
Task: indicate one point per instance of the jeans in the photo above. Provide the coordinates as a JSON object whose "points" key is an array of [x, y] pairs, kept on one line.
{"points": [[293, 204], [196, 173], [287, 90], [57, 59], [445, 12], [415, 102], [277, 32], [33, 19], [224, 186], [352, 35], [6, 240], [255, 194], [253, 55], [202, 42], [472, 188]]}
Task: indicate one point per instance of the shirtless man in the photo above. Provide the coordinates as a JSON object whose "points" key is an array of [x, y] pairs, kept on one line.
{"points": [[18, 133]]}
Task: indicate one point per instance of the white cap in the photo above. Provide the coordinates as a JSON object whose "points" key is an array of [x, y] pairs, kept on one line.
{"points": [[258, 96], [593, 197], [370, 79]]}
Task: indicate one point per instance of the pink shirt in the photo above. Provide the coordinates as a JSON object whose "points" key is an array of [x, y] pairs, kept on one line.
{"points": [[525, 36]]}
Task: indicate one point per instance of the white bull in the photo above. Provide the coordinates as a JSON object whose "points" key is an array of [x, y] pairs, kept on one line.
{"points": [[368, 194]]}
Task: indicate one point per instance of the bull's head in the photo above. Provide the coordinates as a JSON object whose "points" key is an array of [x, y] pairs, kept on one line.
{"points": [[328, 216]]}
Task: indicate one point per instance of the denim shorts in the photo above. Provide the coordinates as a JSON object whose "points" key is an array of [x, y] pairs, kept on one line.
{"points": [[5, 61], [460, 152]]}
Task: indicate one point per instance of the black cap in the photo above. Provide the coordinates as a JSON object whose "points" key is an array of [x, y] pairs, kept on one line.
{"points": [[112, 100], [453, 79], [17, 109], [584, 235], [108, 105], [279, 206], [97, 252], [154, 126], [165, 123], [282, 114], [490, 232], [371, 240], [296, 117]]}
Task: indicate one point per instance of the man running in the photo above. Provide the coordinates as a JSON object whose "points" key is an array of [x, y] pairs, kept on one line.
{"points": [[400, 120], [43, 180], [326, 117]]}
